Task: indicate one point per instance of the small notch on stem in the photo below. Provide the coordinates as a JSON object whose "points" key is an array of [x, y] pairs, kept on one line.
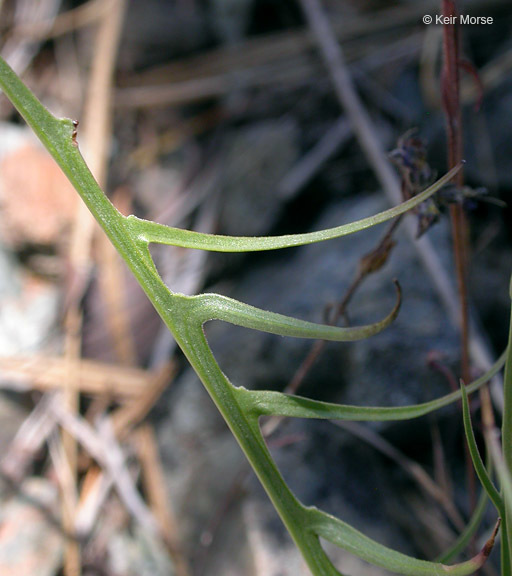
{"points": [[75, 132]]}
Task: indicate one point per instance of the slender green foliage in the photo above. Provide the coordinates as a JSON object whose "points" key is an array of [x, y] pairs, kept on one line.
{"points": [[467, 534], [500, 457], [504, 464], [480, 468], [241, 408]]}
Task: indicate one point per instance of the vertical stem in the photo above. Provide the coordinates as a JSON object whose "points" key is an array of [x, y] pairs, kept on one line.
{"points": [[506, 440], [451, 102], [450, 88], [189, 335]]}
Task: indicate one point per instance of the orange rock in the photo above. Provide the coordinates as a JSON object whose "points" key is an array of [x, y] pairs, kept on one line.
{"points": [[37, 203]]}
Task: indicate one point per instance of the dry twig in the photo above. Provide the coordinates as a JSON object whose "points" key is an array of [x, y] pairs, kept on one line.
{"points": [[153, 480], [48, 373]]}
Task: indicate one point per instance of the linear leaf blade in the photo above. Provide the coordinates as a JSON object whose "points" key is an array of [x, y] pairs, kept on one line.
{"points": [[216, 307], [160, 234], [348, 538], [266, 403], [478, 464]]}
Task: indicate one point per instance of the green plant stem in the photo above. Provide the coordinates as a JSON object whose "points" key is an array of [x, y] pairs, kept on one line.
{"points": [[478, 464], [185, 317], [255, 449], [506, 431], [176, 318]]}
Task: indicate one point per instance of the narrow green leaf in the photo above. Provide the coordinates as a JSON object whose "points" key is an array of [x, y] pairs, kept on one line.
{"points": [[506, 561], [348, 538], [480, 469], [158, 233], [216, 307], [504, 476], [469, 531], [503, 461], [266, 403]]}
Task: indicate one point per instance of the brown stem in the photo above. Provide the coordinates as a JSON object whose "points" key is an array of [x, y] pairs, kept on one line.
{"points": [[450, 88], [451, 103]]}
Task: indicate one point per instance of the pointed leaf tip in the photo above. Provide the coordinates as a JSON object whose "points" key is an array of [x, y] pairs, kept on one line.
{"points": [[489, 545], [480, 559]]}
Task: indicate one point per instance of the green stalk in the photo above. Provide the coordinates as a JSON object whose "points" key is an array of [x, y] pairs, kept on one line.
{"points": [[57, 138], [506, 438], [185, 316], [246, 431]]}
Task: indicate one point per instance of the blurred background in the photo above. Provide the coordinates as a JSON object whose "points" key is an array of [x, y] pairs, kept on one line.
{"points": [[226, 116]]}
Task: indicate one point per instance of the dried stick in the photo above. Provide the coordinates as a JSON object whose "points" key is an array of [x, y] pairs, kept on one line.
{"points": [[114, 462], [29, 439], [311, 162], [19, 52], [96, 487], [97, 129], [47, 373], [65, 475], [97, 484], [73, 19], [71, 399], [125, 418], [104, 448], [153, 480], [97, 135]]}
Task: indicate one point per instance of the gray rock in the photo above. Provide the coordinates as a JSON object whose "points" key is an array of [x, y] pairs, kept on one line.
{"points": [[138, 554], [200, 457], [27, 318], [255, 160], [29, 542], [389, 368]]}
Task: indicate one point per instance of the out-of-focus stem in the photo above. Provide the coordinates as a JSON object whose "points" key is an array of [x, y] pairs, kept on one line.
{"points": [[451, 103], [450, 88]]}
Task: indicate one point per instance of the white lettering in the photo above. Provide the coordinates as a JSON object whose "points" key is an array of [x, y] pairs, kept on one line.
{"points": [[445, 20], [467, 19]]}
